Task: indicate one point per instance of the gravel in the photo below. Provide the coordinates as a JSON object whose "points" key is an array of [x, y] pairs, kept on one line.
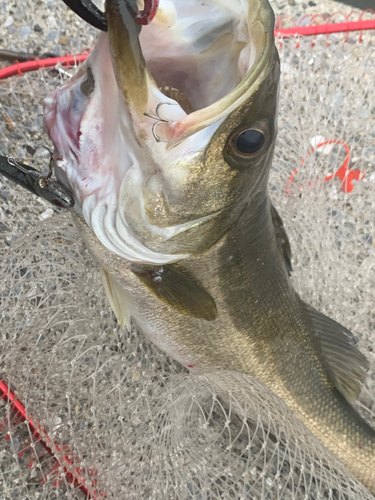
{"points": [[38, 26]]}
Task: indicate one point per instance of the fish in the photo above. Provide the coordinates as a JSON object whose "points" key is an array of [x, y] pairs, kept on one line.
{"points": [[165, 136]]}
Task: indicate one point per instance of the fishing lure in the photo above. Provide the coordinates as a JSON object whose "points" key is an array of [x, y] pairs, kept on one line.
{"points": [[90, 13], [35, 182]]}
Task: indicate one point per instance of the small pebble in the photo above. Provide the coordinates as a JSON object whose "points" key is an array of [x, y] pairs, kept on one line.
{"points": [[46, 215], [8, 22], [52, 35], [4, 195], [4, 228], [4, 149], [57, 50], [20, 152], [24, 32], [9, 123], [52, 22], [11, 30]]}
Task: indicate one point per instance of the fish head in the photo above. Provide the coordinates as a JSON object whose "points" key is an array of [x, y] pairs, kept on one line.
{"points": [[166, 134]]}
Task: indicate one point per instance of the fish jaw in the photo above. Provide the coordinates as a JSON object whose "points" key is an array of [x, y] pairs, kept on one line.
{"points": [[137, 193]]}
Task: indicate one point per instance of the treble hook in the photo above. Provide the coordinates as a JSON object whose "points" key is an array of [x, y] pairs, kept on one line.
{"points": [[44, 181], [159, 120]]}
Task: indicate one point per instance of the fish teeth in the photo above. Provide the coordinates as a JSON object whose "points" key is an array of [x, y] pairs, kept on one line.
{"points": [[178, 96]]}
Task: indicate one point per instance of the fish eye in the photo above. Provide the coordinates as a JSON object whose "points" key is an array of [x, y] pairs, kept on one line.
{"points": [[250, 141], [88, 85]]}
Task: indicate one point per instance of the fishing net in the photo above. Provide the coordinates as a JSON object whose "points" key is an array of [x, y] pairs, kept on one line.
{"points": [[89, 410]]}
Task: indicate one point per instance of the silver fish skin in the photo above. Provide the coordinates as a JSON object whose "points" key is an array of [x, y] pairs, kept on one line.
{"points": [[166, 138]]}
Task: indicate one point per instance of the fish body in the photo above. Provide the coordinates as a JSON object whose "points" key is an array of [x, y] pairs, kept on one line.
{"points": [[169, 170]]}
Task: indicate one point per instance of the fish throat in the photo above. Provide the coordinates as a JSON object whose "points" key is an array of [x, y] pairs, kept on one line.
{"points": [[197, 54]]}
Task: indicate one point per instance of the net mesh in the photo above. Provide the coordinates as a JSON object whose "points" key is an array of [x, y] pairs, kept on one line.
{"points": [[104, 413]]}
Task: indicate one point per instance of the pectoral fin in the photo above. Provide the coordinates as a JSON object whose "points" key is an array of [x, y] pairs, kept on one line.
{"points": [[177, 290], [117, 297], [345, 363]]}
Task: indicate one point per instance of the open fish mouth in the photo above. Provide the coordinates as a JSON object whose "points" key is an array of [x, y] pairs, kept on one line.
{"points": [[145, 104]]}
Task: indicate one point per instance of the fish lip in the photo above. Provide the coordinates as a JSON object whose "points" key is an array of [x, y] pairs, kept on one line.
{"points": [[126, 53]]}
